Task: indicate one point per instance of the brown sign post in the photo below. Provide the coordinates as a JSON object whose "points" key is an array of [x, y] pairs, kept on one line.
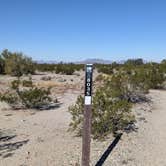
{"points": [[87, 116]]}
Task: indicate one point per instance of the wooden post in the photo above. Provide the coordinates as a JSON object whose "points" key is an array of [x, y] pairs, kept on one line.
{"points": [[86, 138]]}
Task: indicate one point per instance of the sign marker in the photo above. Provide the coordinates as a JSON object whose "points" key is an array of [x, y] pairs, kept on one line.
{"points": [[87, 116]]}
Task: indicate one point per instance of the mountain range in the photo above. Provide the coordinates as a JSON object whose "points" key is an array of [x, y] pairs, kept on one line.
{"points": [[86, 61]]}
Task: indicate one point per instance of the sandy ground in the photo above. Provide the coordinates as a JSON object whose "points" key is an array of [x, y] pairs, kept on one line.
{"points": [[49, 143], [41, 138]]}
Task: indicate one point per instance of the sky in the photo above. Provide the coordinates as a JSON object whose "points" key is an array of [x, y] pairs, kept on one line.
{"points": [[74, 30]]}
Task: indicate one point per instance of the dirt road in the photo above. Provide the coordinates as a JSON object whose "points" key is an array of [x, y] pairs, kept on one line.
{"points": [[147, 146], [150, 149]]}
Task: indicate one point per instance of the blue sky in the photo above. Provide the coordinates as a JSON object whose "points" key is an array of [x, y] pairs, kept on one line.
{"points": [[73, 30]]}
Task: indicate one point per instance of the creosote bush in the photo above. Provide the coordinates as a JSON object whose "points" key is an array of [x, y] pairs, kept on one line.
{"points": [[9, 97], [15, 84], [110, 113], [24, 94], [15, 64], [27, 83], [35, 97], [112, 101], [60, 68]]}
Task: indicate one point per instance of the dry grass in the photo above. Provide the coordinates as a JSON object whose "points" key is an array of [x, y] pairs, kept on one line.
{"points": [[47, 84]]}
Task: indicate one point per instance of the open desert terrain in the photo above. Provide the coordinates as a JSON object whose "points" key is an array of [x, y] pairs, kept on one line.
{"points": [[83, 83], [41, 138]]}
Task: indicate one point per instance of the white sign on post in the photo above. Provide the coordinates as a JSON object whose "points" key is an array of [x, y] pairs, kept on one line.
{"points": [[88, 100], [88, 84], [87, 116]]}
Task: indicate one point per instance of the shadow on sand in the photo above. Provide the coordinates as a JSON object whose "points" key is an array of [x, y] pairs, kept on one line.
{"points": [[7, 148], [109, 150]]}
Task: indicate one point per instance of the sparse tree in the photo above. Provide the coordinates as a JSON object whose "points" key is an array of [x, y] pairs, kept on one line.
{"points": [[16, 64]]}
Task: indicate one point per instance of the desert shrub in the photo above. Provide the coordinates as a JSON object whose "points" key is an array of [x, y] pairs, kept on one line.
{"points": [[35, 97], [17, 64], [27, 83], [99, 78], [32, 97], [2, 66], [111, 107], [29, 97], [126, 87], [163, 66], [77, 115], [44, 67], [68, 68], [156, 78], [151, 75], [110, 113], [15, 84], [60, 68], [9, 97], [144, 77], [106, 68], [65, 69], [134, 62]]}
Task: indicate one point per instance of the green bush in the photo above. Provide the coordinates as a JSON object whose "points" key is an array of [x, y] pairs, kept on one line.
{"points": [[44, 67], [111, 107], [134, 62], [99, 78], [60, 68], [110, 113], [2, 66], [140, 75], [27, 83], [8, 97], [125, 87], [16, 64], [106, 68], [35, 97], [29, 97], [156, 78], [67, 69], [77, 115]]}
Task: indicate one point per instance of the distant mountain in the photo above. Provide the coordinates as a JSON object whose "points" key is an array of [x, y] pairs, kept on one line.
{"points": [[92, 61], [47, 62]]}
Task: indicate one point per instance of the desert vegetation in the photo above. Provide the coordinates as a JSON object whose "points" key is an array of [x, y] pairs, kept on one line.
{"points": [[123, 85], [60, 68], [15, 64], [23, 94], [117, 88]]}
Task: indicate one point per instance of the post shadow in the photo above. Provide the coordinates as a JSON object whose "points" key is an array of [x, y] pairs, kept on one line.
{"points": [[109, 150]]}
